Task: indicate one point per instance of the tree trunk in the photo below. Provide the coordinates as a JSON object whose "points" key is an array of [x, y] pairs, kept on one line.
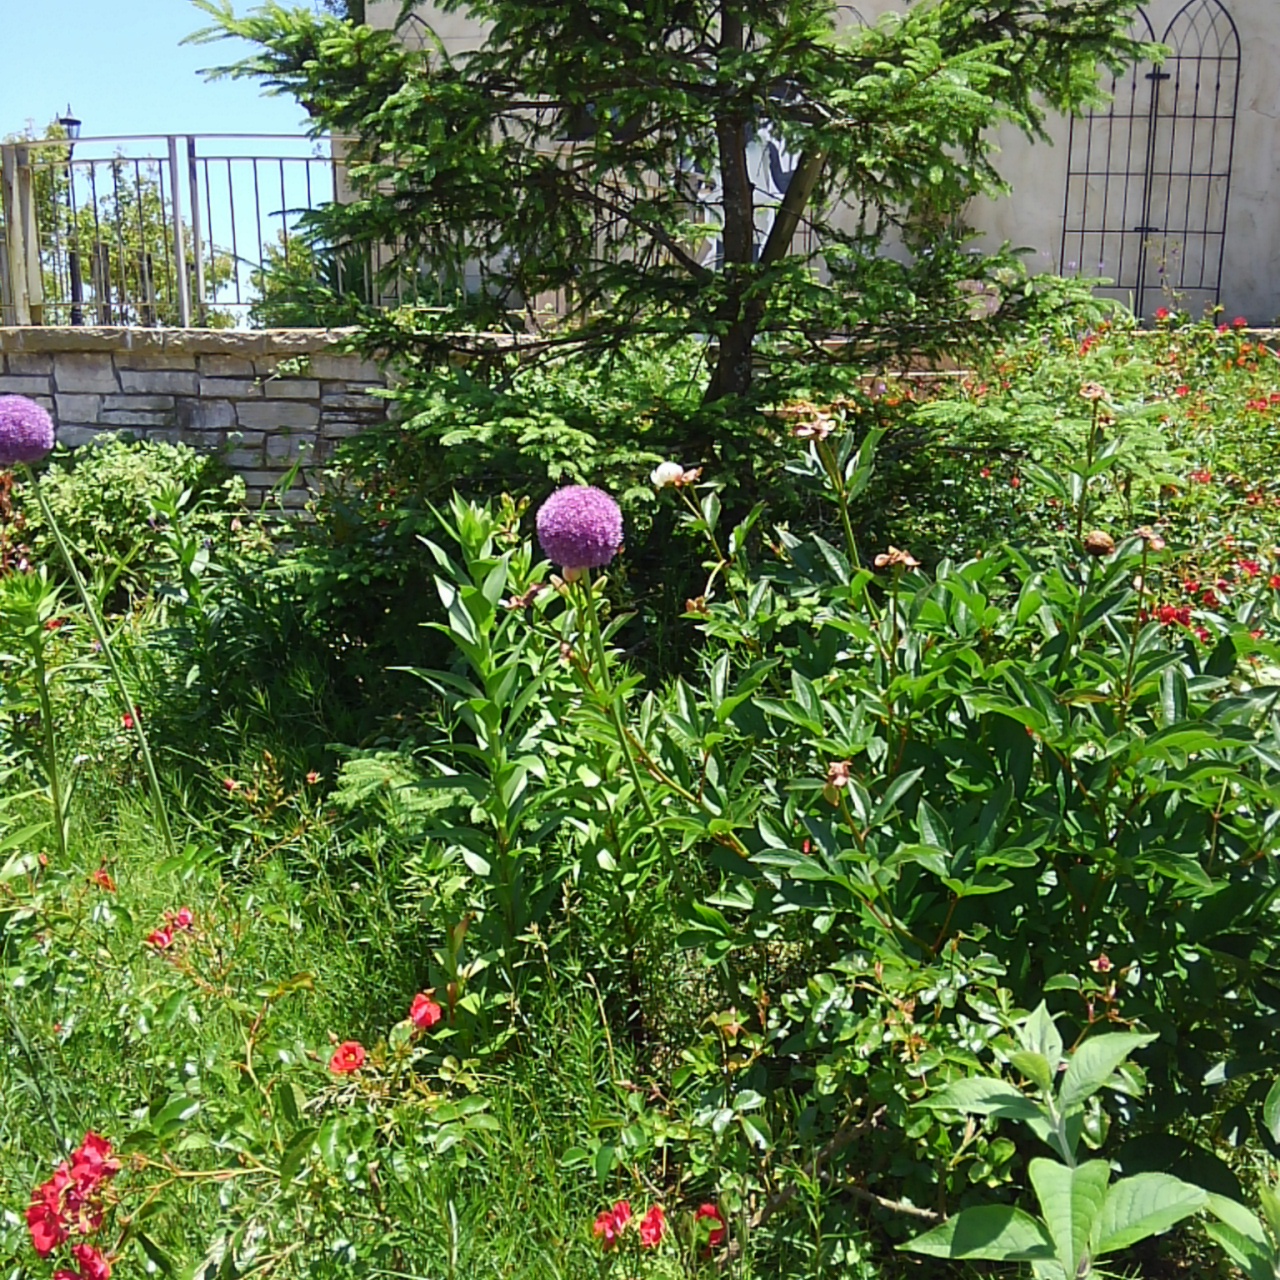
{"points": [[732, 374], [741, 317]]}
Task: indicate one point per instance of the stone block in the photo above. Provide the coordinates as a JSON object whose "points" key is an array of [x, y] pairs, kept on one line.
{"points": [[246, 438], [291, 389], [24, 386], [213, 342], [217, 366], [236, 388], [341, 428], [85, 371], [293, 499], [135, 418], [286, 448], [345, 368], [158, 382], [77, 437], [152, 404], [170, 360], [243, 459], [30, 364], [75, 340], [262, 479], [78, 408], [205, 415], [268, 415], [352, 402]]}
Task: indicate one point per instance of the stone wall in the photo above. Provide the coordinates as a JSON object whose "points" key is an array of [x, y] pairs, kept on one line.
{"points": [[262, 400]]}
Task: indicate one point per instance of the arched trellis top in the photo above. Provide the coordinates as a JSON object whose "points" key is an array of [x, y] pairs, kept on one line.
{"points": [[1148, 179]]}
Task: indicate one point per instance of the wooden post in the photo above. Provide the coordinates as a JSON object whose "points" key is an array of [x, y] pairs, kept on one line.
{"points": [[179, 240], [30, 236]]}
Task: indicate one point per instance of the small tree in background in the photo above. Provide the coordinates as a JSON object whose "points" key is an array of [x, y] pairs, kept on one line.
{"points": [[566, 155]]}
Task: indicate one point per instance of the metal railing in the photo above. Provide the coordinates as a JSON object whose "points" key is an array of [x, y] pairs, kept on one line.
{"points": [[199, 231], [175, 230]]}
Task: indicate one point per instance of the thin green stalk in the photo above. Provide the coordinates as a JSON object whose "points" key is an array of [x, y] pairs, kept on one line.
{"points": [[611, 694], [50, 745], [100, 631], [842, 500]]}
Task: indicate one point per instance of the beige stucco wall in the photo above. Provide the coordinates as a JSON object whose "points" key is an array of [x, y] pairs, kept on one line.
{"points": [[1032, 216]]}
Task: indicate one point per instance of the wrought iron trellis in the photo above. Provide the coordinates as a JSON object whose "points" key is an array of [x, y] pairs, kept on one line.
{"points": [[1148, 179]]}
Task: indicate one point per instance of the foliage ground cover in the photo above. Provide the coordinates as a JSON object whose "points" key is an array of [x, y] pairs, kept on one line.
{"points": [[874, 857]]}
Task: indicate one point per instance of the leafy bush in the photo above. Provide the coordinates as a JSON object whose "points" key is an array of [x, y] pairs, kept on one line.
{"points": [[742, 919], [112, 500]]}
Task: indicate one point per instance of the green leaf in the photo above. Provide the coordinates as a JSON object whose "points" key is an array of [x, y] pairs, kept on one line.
{"points": [[1237, 1217], [995, 1231], [1142, 1206], [1070, 1200], [297, 1150], [1271, 1111], [1093, 1063], [984, 1097], [1036, 1068], [154, 1252], [1039, 1035], [1252, 1259]]}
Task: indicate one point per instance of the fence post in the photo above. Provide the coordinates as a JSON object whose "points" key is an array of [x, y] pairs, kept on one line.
{"points": [[9, 260], [179, 242], [22, 237], [30, 236], [197, 229]]}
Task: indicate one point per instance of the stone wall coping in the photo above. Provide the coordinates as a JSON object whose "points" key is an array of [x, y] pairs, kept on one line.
{"points": [[122, 341]]}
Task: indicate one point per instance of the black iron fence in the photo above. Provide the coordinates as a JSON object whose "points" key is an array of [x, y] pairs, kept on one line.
{"points": [[172, 230]]}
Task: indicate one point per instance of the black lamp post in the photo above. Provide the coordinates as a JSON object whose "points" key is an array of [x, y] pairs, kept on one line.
{"points": [[72, 126]]}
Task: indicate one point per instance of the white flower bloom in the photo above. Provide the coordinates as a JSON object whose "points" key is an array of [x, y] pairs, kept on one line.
{"points": [[666, 473]]}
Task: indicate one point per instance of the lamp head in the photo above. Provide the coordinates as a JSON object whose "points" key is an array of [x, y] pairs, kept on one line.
{"points": [[70, 124]]}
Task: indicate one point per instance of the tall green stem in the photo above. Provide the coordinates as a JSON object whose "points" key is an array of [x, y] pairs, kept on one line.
{"points": [[587, 610], [99, 630], [50, 745], [832, 469]]}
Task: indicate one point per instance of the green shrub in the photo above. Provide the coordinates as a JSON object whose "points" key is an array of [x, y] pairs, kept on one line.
{"points": [[110, 500]]}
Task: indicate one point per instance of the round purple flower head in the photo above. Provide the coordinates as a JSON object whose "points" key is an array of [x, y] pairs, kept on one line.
{"points": [[26, 431], [580, 527]]}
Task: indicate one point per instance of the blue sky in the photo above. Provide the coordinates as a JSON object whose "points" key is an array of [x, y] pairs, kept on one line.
{"points": [[122, 67]]}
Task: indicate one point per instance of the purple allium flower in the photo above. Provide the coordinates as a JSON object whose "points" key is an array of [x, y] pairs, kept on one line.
{"points": [[580, 527], [26, 431]]}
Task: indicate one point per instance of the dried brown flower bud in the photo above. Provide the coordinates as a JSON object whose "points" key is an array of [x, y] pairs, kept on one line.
{"points": [[837, 779], [513, 603], [1098, 543], [1092, 391], [896, 558], [818, 427], [1150, 537]]}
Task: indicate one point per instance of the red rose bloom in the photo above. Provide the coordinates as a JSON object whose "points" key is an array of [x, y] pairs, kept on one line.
{"points": [[47, 1229], [652, 1225], [609, 1224], [424, 1013], [93, 1264], [92, 1162], [709, 1213], [183, 918], [1274, 582], [102, 880], [347, 1057], [161, 939]]}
